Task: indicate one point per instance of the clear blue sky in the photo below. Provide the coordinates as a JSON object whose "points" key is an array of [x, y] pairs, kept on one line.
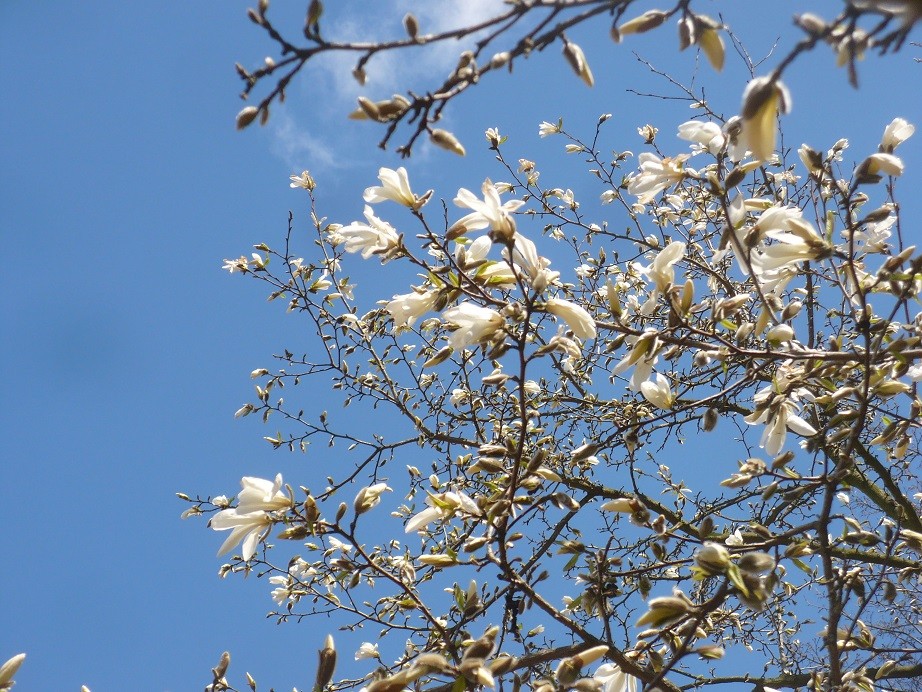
{"points": [[125, 349]]}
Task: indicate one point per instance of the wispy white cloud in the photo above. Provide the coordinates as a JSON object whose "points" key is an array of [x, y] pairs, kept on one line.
{"points": [[297, 147], [326, 91]]}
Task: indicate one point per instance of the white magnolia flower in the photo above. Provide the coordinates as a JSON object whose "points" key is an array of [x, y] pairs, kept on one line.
{"points": [[367, 650], [763, 99], [474, 256], [793, 246], [642, 357], [406, 309], [369, 497], [377, 237], [248, 527], [261, 494], [305, 181], [490, 213], [546, 128], [475, 252], [577, 318], [873, 237], [777, 409], [658, 393], [661, 271], [656, 175], [475, 325], [708, 136], [342, 546], [882, 164], [613, 679], [735, 538], [459, 396], [395, 186], [442, 506], [897, 132], [280, 593], [535, 267]]}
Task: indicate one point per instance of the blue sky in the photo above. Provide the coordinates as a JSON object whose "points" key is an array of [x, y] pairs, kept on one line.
{"points": [[125, 349]]}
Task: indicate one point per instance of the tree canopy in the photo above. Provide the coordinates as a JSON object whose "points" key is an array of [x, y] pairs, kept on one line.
{"points": [[522, 513]]}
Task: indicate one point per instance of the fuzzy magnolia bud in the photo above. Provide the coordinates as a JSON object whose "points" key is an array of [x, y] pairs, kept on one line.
{"points": [[411, 25], [219, 670], [666, 610], [648, 20], [8, 670], [446, 140], [711, 559], [577, 59], [709, 420], [246, 116], [326, 664]]}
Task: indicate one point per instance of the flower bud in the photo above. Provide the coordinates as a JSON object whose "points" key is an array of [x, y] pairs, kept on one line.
{"points": [[712, 559], [446, 140], [326, 664], [411, 25], [645, 22], [246, 116], [219, 670], [577, 59], [8, 670]]}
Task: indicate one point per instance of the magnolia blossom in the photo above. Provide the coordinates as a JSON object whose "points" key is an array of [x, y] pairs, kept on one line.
{"points": [[763, 99], [873, 237], [475, 255], [656, 175], [376, 237], [369, 497], [777, 406], [658, 393], [535, 267], [613, 679], [249, 527], [642, 357], [882, 164], [577, 318], [708, 136], [475, 252], [261, 494], [395, 186], [914, 372], [798, 244], [489, 213], [366, 650], [661, 272], [442, 506], [304, 181], [546, 128], [897, 132], [475, 325], [407, 308]]}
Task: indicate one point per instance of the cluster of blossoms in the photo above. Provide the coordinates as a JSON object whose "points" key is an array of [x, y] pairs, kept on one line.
{"points": [[711, 316]]}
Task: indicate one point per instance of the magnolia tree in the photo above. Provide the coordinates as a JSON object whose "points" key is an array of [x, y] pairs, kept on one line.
{"points": [[519, 514]]}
